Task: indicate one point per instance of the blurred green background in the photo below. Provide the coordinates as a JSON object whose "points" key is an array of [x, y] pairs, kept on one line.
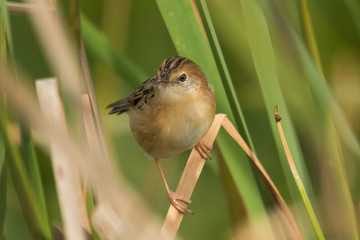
{"points": [[137, 30]]}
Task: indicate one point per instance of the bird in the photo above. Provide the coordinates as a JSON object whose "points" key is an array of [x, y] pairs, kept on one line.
{"points": [[170, 113]]}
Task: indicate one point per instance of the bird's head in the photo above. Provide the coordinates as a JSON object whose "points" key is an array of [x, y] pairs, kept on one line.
{"points": [[180, 73]]}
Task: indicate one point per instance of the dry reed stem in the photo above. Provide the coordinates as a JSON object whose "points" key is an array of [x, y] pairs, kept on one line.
{"points": [[195, 165], [97, 126], [198, 18], [297, 178], [270, 186], [286, 147], [138, 221], [107, 224], [29, 8], [58, 48], [247, 231], [188, 180], [26, 8], [67, 180], [63, 59]]}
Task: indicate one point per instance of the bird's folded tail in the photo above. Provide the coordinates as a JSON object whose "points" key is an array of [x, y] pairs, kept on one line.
{"points": [[119, 107]]}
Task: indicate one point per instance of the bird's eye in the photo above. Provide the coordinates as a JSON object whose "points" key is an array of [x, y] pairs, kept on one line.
{"points": [[182, 77]]}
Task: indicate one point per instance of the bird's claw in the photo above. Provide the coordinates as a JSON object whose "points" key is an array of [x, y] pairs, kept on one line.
{"points": [[179, 202], [204, 150]]}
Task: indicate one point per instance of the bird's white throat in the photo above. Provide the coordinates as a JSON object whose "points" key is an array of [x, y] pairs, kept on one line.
{"points": [[174, 94]]}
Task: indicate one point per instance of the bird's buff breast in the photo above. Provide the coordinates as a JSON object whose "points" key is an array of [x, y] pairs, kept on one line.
{"points": [[167, 130]]}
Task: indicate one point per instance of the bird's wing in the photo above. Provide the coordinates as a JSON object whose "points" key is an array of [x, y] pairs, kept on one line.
{"points": [[145, 92], [119, 107], [136, 99]]}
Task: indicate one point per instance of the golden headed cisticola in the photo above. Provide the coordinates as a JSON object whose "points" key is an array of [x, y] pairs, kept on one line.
{"points": [[170, 113]]}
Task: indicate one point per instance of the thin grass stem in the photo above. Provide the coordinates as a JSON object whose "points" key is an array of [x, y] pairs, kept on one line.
{"points": [[297, 179]]}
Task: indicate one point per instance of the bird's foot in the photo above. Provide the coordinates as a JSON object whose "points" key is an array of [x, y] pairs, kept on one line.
{"points": [[178, 202], [204, 150]]}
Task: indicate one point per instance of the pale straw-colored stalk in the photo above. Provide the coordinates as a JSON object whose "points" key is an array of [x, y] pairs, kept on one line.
{"points": [[67, 181], [194, 167], [121, 198], [297, 179]]}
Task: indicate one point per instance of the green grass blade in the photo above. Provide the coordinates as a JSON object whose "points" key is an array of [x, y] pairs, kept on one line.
{"points": [[320, 88], [3, 165], [299, 184], [74, 21], [309, 33], [335, 125], [233, 198], [309, 209], [189, 41], [354, 9], [321, 124], [3, 188], [32, 211], [90, 204], [225, 74], [27, 147], [6, 36], [100, 48], [32, 167], [336, 156], [264, 59], [237, 208], [6, 41], [323, 93]]}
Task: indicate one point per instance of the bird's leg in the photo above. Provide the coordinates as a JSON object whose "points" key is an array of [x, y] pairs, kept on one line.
{"points": [[174, 198], [203, 149]]}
